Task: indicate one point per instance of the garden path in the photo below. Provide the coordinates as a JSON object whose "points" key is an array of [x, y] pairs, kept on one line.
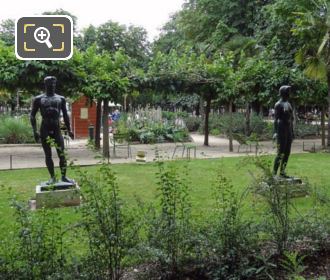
{"points": [[31, 156]]}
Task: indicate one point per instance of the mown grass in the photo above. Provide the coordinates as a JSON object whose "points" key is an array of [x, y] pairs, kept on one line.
{"points": [[137, 180]]}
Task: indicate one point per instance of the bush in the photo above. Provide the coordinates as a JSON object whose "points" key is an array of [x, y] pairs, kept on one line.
{"points": [[262, 129], [215, 131], [110, 230], [165, 238], [193, 123], [35, 248], [303, 130], [15, 130], [148, 127], [231, 239], [236, 124], [168, 227]]}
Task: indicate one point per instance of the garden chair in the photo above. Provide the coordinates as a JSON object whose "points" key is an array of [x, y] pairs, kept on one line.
{"points": [[247, 141], [121, 140], [242, 141], [186, 147]]}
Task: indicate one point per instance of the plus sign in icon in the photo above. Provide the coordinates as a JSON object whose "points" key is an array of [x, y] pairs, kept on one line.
{"points": [[47, 37]]}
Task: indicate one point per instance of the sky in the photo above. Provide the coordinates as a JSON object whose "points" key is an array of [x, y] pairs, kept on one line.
{"points": [[150, 14]]}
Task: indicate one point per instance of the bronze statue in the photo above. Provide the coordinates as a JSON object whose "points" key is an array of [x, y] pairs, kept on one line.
{"points": [[51, 105], [283, 126]]}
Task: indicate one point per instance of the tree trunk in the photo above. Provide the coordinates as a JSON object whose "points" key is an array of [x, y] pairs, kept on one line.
{"points": [[98, 125], [206, 126], [106, 150], [247, 120], [230, 129], [323, 126], [201, 106]]}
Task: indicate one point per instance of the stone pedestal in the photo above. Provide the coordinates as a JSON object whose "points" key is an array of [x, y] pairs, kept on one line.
{"points": [[141, 157], [293, 185], [60, 194], [289, 180]]}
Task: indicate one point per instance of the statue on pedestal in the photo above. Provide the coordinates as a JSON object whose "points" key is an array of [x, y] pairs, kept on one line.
{"points": [[283, 131], [51, 105]]}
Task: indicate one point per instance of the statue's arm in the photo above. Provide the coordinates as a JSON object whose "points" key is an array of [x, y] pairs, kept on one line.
{"points": [[35, 108], [277, 116], [34, 111], [66, 118]]}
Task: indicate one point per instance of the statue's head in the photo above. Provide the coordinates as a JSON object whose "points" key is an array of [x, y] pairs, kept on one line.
{"points": [[285, 92], [50, 84]]}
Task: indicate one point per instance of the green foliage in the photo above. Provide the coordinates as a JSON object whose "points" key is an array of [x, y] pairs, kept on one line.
{"points": [[231, 238], [7, 32], [276, 194], [293, 264], [169, 228], [147, 126], [15, 130], [35, 249], [194, 123], [223, 124], [305, 130], [109, 229], [107, 237]]}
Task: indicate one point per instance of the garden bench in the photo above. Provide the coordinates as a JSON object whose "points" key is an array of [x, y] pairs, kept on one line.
{"points": [[121, 140]]}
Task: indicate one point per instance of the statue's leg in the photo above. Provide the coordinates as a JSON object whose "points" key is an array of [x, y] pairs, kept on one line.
{"points": [[286, 155], [279, 157], [48, 157], [60, 152], [277, 163]]}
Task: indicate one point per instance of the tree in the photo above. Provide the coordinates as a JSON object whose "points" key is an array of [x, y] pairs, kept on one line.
{"points": [[313, 28], [171, 37], [7, 32], [64, 13], [106, 79], [190, 73]]}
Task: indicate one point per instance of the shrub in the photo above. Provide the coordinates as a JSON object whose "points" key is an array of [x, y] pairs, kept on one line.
{"points": [[236, 124], [111, 232], [35, 248], [303, 130], [193, 123], [147, 137], [261, 128], [215, 131], [169, 228], [231, 239], [15, 130], [277, 196], [148, 127], [171, 116]]}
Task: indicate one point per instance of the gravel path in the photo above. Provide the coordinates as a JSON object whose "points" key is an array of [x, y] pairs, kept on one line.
{"points": [[31, 156]]}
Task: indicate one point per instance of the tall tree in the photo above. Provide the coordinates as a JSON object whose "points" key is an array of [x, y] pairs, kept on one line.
{"points": [[7, 32], [313, 28], [191, 74], [106, 79]]}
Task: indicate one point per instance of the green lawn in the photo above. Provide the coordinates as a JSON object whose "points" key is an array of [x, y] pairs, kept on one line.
{"points": [[140, 180]]}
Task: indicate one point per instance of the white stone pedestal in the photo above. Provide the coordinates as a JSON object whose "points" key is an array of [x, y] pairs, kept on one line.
{"points": [[141, 157], [58, 195]]}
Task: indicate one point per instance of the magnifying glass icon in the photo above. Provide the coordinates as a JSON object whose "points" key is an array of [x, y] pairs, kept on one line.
{"points": [[41, 35]]}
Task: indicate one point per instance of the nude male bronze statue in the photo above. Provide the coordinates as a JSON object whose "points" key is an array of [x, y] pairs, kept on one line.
{"points": [[50, 106], [283, 131]]}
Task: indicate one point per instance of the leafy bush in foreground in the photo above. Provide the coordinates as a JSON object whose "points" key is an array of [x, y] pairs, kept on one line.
{"points": [[110, 237]]}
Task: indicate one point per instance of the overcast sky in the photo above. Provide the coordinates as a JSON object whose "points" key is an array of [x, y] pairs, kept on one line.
{"points": [[150, 14]]}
